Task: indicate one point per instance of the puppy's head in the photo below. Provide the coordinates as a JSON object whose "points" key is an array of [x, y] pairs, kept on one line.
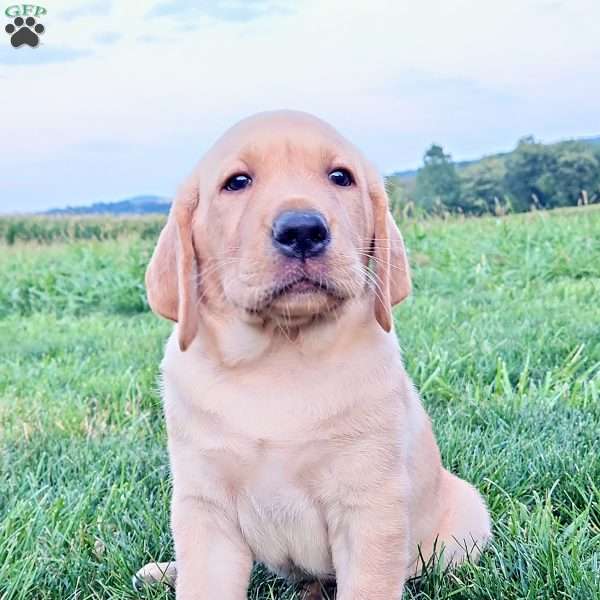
{"points": [[282, 221]]}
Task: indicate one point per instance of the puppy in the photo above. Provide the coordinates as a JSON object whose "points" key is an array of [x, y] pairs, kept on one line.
{"points": [[296, 438]]}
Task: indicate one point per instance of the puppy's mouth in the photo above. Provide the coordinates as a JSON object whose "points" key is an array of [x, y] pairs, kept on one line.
{"points": [[302, 285], [302, 293]]}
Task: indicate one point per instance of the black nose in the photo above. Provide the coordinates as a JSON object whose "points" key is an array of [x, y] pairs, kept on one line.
{"points": [[300, 234]]}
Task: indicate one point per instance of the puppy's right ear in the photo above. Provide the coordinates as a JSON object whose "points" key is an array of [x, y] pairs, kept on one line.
{"points": [[171, 277]]}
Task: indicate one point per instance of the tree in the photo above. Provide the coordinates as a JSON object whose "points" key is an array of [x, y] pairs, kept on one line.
{"points": [[525, 167], [482, 185], [554, 175], [546, 176], [437, 181], [575, 168], [399, 197]]}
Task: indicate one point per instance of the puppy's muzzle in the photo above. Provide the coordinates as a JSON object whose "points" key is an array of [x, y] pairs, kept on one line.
{"points": [[300, 235]]}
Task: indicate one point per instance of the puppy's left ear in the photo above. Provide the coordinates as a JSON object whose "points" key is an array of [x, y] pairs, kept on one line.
{"points": [[392, 270]]}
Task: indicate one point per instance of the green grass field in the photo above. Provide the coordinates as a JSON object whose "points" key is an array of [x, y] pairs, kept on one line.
{"points": [[502, 336]]}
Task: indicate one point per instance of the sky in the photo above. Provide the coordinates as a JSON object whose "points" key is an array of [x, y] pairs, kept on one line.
{"points": [[122, 98]]}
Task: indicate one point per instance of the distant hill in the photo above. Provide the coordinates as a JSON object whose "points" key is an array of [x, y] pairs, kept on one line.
{"points": [[137, 205], [410, 174], [407, 175], [591, 140], [148, 204]]}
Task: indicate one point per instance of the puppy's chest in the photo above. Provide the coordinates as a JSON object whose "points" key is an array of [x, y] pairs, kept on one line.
{"points": [[282, 523]]}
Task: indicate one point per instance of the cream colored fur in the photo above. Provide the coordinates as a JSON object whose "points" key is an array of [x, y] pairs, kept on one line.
{"points": [[296, 437]]}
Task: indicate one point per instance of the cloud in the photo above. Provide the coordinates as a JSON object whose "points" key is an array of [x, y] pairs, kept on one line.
{"points": [[148, 39], [95, 8], [24, 55], [393, 76], [99, 145], [226, 10], [107, 37]]}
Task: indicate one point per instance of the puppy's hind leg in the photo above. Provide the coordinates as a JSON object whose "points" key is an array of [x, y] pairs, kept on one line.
{"points": [[464, 528], [155, 573]]}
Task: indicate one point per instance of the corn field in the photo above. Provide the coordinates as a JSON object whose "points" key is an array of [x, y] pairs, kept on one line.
{"points": [[48, 230]]}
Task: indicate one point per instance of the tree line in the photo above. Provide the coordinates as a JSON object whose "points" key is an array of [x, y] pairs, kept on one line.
{"points": [[534, 175]]}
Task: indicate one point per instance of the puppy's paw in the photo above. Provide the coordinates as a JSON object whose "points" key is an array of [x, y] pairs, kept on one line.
{"points": [[318, 591], [312, 591], [154, 573]]}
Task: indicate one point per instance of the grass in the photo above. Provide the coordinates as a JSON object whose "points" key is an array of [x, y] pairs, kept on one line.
{"points": [[502, 335]]}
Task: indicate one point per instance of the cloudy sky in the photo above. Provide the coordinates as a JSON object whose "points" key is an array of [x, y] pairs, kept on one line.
{"points": [[121, 98]]}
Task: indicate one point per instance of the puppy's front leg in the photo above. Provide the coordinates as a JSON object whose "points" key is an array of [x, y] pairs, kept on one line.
{"points": [[370, 552], [213, 560]]}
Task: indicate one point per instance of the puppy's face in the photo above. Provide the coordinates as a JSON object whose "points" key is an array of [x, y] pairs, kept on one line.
{"points": [[284, 222]]}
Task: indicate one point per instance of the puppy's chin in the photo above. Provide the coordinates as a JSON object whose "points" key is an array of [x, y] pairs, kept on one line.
{"points": [[297, 307]]}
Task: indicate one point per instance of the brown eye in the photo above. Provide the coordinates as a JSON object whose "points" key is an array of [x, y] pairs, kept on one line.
{"points": [[341, 177], [237, 182]]}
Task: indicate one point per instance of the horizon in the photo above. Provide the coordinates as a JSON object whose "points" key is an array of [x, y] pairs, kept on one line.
{"points": [[167, 198], [100, 111]]}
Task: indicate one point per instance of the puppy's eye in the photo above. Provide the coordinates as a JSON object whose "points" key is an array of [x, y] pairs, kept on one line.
{"points": [[237, 182], [341, 177]]}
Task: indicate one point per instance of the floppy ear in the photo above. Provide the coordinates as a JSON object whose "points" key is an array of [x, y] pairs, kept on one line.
{"points": [[392, 270], [171, 275]]}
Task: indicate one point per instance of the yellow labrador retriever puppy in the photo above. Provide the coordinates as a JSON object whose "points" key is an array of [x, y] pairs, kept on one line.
{"points": [[296, 438]]}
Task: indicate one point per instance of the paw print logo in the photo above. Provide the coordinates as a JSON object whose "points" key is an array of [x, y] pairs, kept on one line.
{"points": [[24, 31]]}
